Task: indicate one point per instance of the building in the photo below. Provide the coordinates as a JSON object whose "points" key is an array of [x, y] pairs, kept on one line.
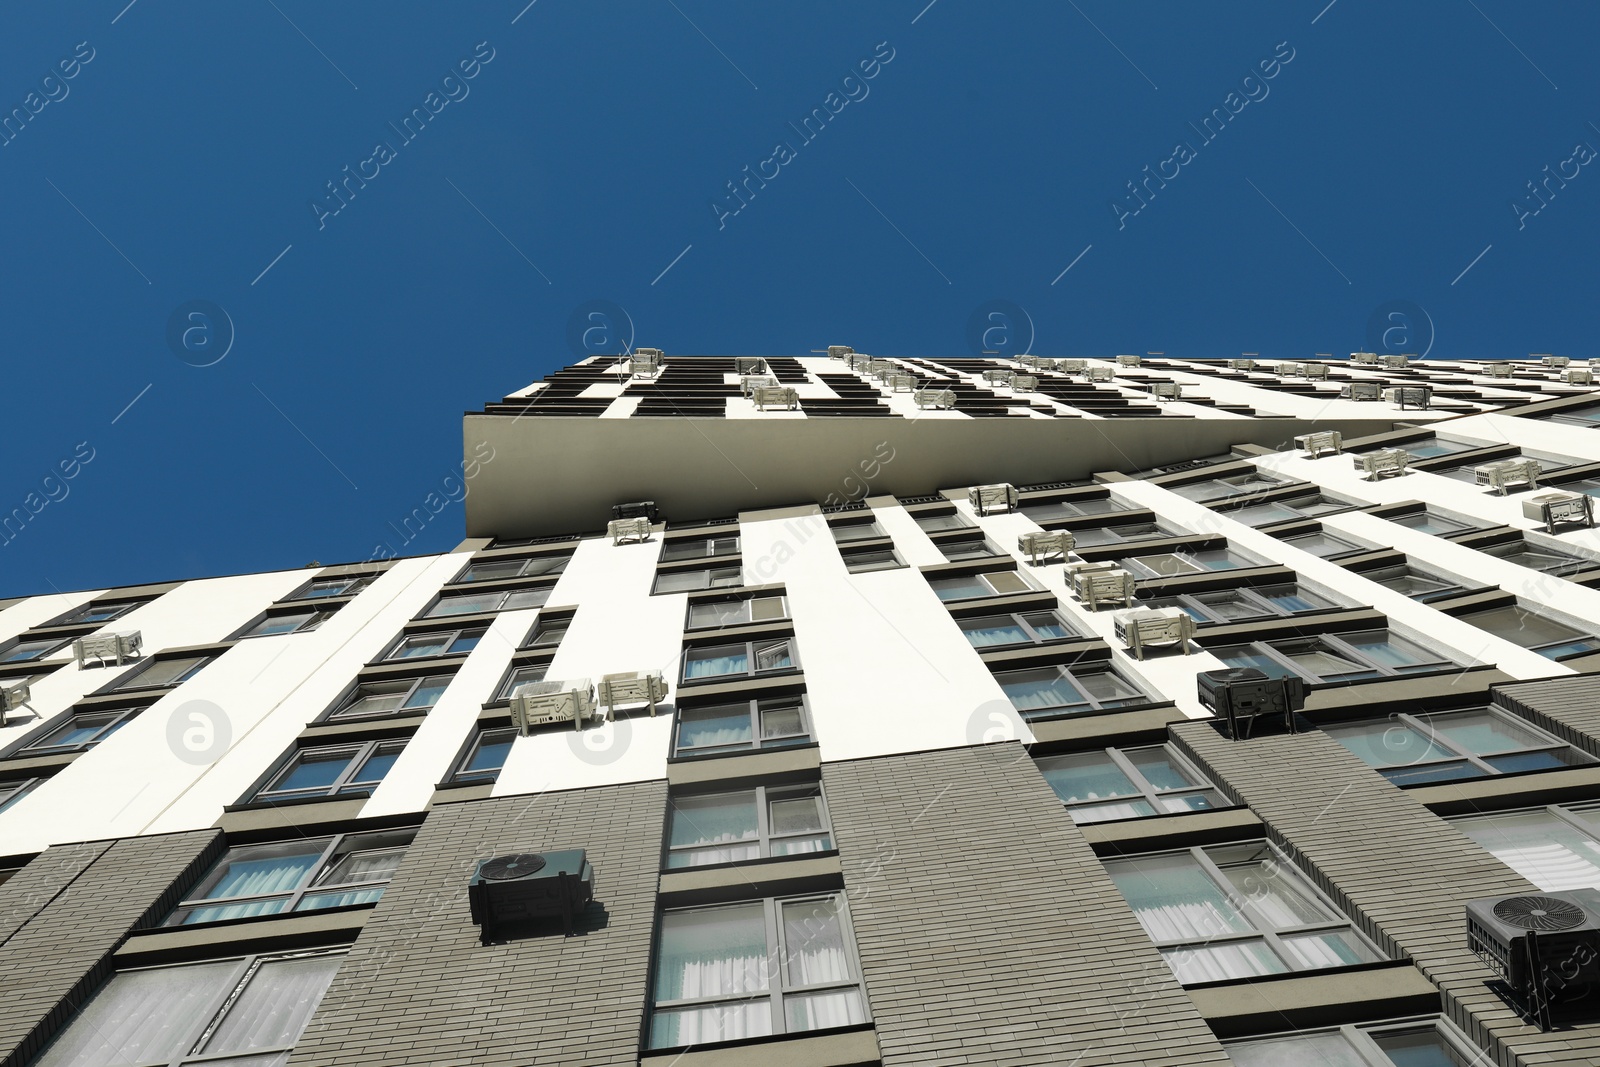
{"points": [[912, 787]]}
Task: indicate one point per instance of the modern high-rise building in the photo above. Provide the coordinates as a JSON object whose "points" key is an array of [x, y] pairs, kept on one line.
{"points": [[838, 711]]}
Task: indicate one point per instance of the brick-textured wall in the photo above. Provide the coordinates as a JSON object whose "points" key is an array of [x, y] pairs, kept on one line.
{"points": [[420, 988], [65, 913], [989, 933], [1568, 707], [1401, 871]]}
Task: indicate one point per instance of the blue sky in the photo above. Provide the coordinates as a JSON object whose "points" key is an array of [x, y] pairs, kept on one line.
{"points": [[1361, 159]]}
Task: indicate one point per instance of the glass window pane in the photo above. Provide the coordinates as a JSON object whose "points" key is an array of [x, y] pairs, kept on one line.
{"points": [[141, 1016], [522, 599], [1482, 732], [993, 630], [959, 588], [1039, 689], [1109, 689], [485, 572], [781, 722], [1176, 899], [1548, 760], [1386, 743], [774, 657], [1321, 663], [275, 1006], [1245, 656], [1086, 776], [1421, 1048], [950, 521], [681, 581], [712, 952], [817, 1011], [490, 753], [1292, 599], [1433, 772], [1159, 768], [672, 1027], [1204, 800], [717, 829], [1049, 626], [704, 613], [1321, 544], [1275, 893], [1546, 850], [252, 870], [1232, 605], [165, 672], [1006, 582], [1321, 1050], [716, 661], [1391, 650], [1263, 514], [706, 728], [813, 942], [1126, 809], [1216, 963], [464, 605], [375, 768], [314, 769], [1516, 624], [1340, 948]]}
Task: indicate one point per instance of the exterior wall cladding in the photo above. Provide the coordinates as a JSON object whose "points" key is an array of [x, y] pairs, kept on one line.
{"points": [[914, 787]]}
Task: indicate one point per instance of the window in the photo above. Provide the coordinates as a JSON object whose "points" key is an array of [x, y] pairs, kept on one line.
{"points": [[687, 581], [772, 966], [745, 658], [989, 583], [1548, 465], [489, 570], [548, 631], [1449, 746], [1431, 522], [1245, 603], [1026, 628], [1589, 416], [485, 756], [1132, 783], [395, 696], [1417, 584], [935, 522], [1114, 535], [1050, 692], [844, 533], [1532, 630], [287, 623], [750, 824], [157, 673], [1236, 911], [306, 874], [1432, 447], [255, 1008], [974, 546], [1421, 1043], [100, 612], [331, 771], [700, 547], [704, 614], [79, 732], [1237, 485], [1185, 561], [1548, 560], [322, 588], [1556, 847], [436, 643], [857, 560], [1053, 510], [476, 603], [1294, 507], [520, 676], [15, 789], [24, 649], [1321, 543], [1351, 657], [742, 727]]}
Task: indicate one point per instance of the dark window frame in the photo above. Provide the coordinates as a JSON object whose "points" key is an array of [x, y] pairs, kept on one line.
{"points": [[1336, 645], [353, 694], [763, 796], [1145, 790], [752, 652], [759, 742], [344, 787], [456, 634], [1457, 753], [715, 578]]}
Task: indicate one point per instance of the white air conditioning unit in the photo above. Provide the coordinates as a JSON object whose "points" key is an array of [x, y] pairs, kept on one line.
{"points": [[998, 377], [1503, 475], [1411, 396], [1144, 627], [1289, 370], [839, 351], [1241, 364], [620, 530], [11, 699], [857, 360], [631, 687], [1040, 545], [1071, 366], [1097, 584], [1099, 373], [749, 365], [878, 368], [1127, 361], [1384, 461], [779, 396], [1320, 442], [542, 703], [749, 383], [1167, 390], [1370, 358], [1362, 391], [117, 648], [1580, 376], [1559, 508], [643, 368], [1309, 371], [1499, 370], [1024, 383], [651, 355], [985, 498], [901, 383], [1558, 362], [934, 398], [1395, 362]]}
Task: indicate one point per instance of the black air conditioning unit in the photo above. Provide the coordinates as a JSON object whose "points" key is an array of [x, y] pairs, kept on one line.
{"points": [[1545, 945], [515, 895], [1241, 695], [639, 509]]}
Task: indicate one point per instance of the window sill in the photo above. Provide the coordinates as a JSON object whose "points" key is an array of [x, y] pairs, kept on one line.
{"points": [[303, 929], [757, 765], [813, 872], [1390, 988], [749, 686], [241, 818], [845, 1047], [1507, 790], [1185, 829]]}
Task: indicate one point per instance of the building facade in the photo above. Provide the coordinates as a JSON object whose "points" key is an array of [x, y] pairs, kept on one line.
{"points": [[876, 712]]}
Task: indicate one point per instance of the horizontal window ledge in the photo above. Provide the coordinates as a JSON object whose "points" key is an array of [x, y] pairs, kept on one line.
{"points": [[1333, 621], [1475, 600], [1175, 830], [1042, 600], [835, 1048], [14, 765], [543, 551], [501, 585], [269, 932], [245, 818], [747, 688], [1390, 988], [476, 619], [68, 630], [1099, 520], [963, 567], [1148, 546], [419, 667], [699, 563], [1449, 687], [751, 631], [1085, 649], [461, 792], [365, 729], [1509, 790], [1092, 729], [737, 592], [778, 876], [732, 768], [1207, 581]]}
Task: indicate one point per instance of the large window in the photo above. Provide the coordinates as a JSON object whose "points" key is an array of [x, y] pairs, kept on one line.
{"points": [[1451, 745], [252, 1010], [989, 583], [1431, 522], [742, 727], [1413, 1043], [322, 588], [1419, 585], [100, 612], [517, 677], [436, 643], [1548, 560], [870, 558], [747, 825], [78, 732], [25, 649], [1236, 911], [864, 530], [772, 966], [1229, 488], [306, 874], [1128, 783], [968, 546], [1052, 510], [1542, 634], [490, 570], [1244, 603], [477, 603], [704, 578], [1307, 506], [938, 521], [708, 614], [1024, 628], [485, 756], [1324, 544], [1186, 561], [700, 547], [1351, 657], [290, 622], [1050, 692], [738, 660], [1556, 848], [158, 673], [393, 696], [321, 771]]}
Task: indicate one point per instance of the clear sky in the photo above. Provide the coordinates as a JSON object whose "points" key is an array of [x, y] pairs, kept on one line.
{"points": [[243, 368]]}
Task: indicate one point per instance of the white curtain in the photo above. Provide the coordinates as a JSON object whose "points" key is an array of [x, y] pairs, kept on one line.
{"points": [[710, 953], [141, 1015], [1314, 1050], [275, 1006], [1546, 851]]}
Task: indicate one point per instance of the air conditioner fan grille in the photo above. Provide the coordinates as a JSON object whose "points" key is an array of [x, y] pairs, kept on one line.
{"points": [[505, 868], [1539, 913]]}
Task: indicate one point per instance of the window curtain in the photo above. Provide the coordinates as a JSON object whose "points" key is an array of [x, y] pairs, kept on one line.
{"points": [[815, 954], [1040, 691], [139, 1016], [996, 633], [709, 953], [713, 729], [1176, 901], [1320, 1050], [275, 1006], [1541, 848], [724, 828], [710, 663]]}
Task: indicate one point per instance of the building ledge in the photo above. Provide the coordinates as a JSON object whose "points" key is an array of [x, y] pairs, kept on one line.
{"points": [[856, 1048], [1237, 1009]]}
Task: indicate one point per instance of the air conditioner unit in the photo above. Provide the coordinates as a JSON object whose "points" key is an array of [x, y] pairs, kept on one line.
{"points": [[513, 895], [985, 498], [839, 351], [1503, 475], [1241, 364], [11, 699], [879, 368], [1580, 376], [1142, 627], [1241, 695], [643, 368], [1321, 441], [1167, 390], [934, 398], [620, 530], [1127, 361], [1364, 357], [1499, 370], [1071, 366], [1093, 583], [1289, 370], [1314, 370], [857, 360], [749, 365], [631, 687], [1545, 945], [1042, 544], [1024, 383], [1099, 373], [1559, 507], [117, 648], [638, 509], [1362, 391], [653, 355], [781, 396], [901, 383], [1383, 461], [1558, 362], [749, 383], [1394, 362], [998, 377], [542, 703], [1411, 396]]}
